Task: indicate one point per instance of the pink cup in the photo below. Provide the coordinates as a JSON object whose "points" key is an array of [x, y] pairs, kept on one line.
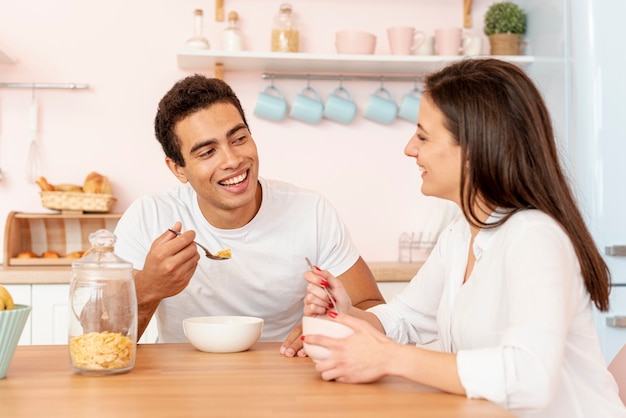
{"points": [[403, 40], [448, 41], [355, 42]]}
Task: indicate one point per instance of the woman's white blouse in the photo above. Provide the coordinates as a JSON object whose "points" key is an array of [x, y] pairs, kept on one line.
{"points": [[522, 325]]}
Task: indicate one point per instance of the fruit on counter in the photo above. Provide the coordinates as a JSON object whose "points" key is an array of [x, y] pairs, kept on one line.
{"points": [[6, 300], [94, 183]]}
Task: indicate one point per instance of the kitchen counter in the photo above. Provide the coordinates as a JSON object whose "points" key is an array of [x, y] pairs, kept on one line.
{"points": [[384, 271]]}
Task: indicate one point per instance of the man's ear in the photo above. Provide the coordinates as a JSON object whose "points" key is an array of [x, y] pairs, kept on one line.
{"points": [[176, 169]]}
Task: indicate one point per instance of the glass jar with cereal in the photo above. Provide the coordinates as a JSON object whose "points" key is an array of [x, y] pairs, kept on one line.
{"points": [[285, 34], [103, 310]]}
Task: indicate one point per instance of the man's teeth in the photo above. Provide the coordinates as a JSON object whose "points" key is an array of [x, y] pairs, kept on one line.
{"points": [[235, 180]]}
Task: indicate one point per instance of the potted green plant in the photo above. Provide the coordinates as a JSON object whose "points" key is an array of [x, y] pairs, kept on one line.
{"points": [[505, 23]]}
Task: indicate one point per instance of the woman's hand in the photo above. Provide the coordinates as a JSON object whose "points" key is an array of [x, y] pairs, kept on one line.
{"points": [[360, 358], [316, 300]]}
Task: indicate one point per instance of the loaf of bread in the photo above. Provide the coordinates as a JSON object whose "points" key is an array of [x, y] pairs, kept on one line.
{"points": [[97, 183]]}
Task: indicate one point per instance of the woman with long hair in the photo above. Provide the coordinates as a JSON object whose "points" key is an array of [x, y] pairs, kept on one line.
{"points": [[510, 286]]}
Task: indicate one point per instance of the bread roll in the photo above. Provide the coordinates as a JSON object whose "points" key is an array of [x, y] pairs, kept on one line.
{"points": [[68, 188], [26, 254], [44, 185], [50, 254], [75, 255], [97, 183]]}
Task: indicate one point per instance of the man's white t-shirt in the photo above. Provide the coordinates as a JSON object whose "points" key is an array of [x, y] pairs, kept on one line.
{"points": [[264, 276]]}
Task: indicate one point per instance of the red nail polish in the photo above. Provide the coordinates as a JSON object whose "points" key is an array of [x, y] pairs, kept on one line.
{"points": [[317, 268], [332, 314], [330, 305], [302, 337], [324, 283]]}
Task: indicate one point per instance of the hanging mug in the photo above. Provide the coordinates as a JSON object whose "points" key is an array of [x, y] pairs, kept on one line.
{"points": [[381, 107], [410, 106], [307, 106], [339, 106], [271, 104]]}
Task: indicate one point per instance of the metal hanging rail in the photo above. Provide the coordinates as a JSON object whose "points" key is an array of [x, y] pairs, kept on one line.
{"points": [[67, 86], [342, 77]]}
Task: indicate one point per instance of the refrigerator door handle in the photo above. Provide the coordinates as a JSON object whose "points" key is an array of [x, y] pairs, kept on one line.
{"points": [[616, 250], [616, 321]]}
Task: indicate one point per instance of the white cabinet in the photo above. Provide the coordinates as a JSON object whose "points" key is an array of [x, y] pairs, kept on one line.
{"points": [[49, 313], [47, 323]]}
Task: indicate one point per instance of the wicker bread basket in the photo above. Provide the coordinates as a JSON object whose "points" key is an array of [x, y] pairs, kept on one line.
{"points": [[78, 201]]}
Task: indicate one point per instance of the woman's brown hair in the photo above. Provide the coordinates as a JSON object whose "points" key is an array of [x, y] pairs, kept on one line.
{"points": [[499, 118]]}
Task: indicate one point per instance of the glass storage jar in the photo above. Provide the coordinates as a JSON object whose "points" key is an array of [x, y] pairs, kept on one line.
{"points": [[232, 38], [198, 41], [285, 34], [103, 310]]}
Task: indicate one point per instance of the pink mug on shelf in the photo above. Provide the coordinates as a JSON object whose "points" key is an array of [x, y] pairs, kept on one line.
{"points": [[403, 40], [448, 41]]}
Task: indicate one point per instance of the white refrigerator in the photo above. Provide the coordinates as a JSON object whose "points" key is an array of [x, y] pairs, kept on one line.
{"points": [[579, 63], [597, 143]]}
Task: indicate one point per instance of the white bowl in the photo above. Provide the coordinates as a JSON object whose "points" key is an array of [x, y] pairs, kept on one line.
{"points": [[355, 42], [223, 334], [316, 325]]}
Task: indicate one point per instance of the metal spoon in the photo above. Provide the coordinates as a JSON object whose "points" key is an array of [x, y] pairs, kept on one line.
{"points": [[330, 296], [206, 251]]}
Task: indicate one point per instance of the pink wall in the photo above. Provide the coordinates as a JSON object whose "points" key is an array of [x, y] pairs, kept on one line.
{"points": [[126, 52]]}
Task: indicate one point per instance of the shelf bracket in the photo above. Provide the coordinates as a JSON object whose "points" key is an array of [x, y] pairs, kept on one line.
{"points": [[219, 70], [467, 13], [219, 10]]}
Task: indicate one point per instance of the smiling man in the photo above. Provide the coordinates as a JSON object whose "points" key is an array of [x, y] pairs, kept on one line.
{"points": [[269, 226]]}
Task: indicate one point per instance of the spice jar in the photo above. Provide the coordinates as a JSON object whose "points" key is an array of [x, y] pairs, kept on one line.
{"points": [[285, 35], [232, 39], [103, 310]]}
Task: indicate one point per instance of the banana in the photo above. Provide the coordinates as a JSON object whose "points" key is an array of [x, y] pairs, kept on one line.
{"points": [[6, 301]]}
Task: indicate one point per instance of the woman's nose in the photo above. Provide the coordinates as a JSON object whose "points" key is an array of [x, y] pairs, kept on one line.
{"points": [[411, 147]]}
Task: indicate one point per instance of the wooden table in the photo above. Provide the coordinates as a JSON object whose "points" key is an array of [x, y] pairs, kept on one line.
{"points": [[176, 380]]}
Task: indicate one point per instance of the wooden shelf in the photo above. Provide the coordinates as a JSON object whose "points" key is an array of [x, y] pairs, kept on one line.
{"points": [[321, 63]]}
